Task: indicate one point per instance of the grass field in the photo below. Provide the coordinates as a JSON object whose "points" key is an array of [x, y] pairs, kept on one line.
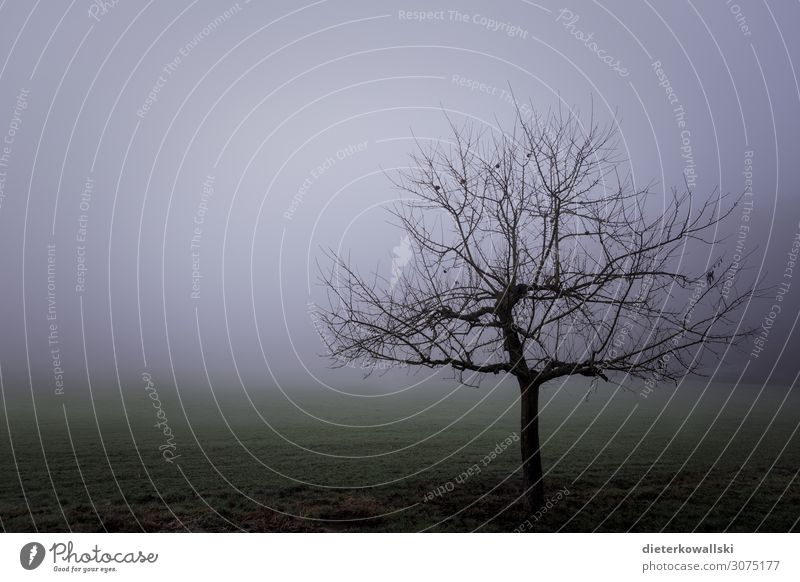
{"points": [[696, 458]]}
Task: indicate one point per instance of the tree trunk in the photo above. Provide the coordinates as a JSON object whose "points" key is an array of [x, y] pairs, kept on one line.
{"points": [[532, 476]]}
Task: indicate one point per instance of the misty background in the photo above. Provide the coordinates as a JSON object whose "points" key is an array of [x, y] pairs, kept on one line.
{"points": [[178, 167]]}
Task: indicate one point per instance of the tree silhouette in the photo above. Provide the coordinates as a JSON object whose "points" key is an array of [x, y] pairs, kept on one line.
{"points": [[532, 256]]}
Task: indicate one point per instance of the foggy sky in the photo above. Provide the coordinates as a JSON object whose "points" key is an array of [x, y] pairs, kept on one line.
{"points": [[179, 165]]}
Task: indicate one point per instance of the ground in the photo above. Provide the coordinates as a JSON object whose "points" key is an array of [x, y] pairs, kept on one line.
{"points": [[714, 458]]}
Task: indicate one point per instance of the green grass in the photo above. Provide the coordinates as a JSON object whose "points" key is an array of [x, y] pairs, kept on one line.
{"points": [[650, 473]]}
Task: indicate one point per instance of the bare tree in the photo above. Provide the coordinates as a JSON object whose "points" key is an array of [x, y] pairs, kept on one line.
{"points": [[533, 257]]}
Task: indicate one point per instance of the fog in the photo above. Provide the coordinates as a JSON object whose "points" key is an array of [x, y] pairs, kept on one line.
{"points": [[170, 172]]}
